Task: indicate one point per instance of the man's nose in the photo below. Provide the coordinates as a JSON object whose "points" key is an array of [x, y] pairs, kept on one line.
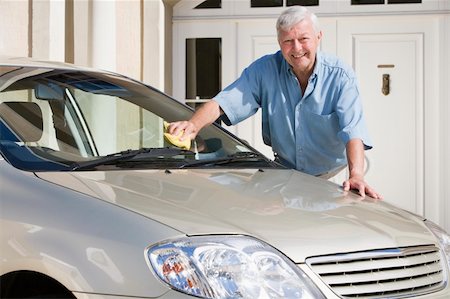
{"points": [[297, 44]]}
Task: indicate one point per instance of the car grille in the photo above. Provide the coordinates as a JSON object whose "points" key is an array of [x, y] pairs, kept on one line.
{"points": [[392, 273]]}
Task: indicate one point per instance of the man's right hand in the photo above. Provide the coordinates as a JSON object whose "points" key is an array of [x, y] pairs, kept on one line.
{"points": [[186, 127], [205, 115]]}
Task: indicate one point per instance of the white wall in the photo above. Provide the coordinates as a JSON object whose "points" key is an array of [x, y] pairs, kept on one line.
{"points": [[14, 24], [123, 36], [40, 33]]}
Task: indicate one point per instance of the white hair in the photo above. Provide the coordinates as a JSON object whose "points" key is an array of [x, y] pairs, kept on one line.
{"points": [[294, 15]]}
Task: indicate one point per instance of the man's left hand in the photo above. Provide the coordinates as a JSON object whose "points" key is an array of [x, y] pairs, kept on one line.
{"points": [[358, 184]]}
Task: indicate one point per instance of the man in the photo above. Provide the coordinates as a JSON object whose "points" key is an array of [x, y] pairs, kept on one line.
{"points": [[311, 109]]}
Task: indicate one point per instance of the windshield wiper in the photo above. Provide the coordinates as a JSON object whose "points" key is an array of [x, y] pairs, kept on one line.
{"points": [[236, 157], [130, 154]]}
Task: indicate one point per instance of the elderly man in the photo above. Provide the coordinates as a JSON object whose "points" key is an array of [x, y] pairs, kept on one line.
{"points": [[311, 108]]}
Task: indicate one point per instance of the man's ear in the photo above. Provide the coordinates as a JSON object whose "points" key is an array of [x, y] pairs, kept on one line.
{"points": [[319, 35]]}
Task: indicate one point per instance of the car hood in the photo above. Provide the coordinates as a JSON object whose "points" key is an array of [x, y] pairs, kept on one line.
{"points": [[298, 214]]}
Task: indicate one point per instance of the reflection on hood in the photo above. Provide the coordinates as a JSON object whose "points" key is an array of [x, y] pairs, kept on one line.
{"points": [[284, 188]]}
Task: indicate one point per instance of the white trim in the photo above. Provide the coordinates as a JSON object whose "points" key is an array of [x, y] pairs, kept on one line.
{"points": [[426, 6], [186, 8], [433, 199], [444, 5], [238, 9], [445, 121], [242, 8]]}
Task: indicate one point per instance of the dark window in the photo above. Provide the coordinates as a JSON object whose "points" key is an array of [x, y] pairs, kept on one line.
{"points": [[266, 3], [210, 4], [203, 67], [302, 2], [362, 2], [403, 1]]}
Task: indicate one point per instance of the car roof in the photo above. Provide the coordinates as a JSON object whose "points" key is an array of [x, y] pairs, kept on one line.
{"points": [[32, 62]]}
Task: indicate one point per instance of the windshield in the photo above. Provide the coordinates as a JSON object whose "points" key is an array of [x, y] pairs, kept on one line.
{"points": [[83, 120]]}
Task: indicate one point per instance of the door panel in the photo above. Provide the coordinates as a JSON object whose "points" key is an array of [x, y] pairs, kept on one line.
{"points": [[402, 165], [395, 165]]}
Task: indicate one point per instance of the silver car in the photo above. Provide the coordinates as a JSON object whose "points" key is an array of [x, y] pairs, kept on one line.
{"points": [[97, 201]]}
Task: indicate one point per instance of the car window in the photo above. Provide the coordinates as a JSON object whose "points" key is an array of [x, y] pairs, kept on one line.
{"points": [[80, 117]]}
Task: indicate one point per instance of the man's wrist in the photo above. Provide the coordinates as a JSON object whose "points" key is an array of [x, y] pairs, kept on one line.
{"points": [[356, 174]]}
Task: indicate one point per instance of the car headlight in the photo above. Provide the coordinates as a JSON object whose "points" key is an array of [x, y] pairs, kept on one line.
{"points": [[228, 267], [443, 237]]}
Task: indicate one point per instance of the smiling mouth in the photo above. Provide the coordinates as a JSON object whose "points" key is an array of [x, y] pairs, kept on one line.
{"points": [[299, 55]]}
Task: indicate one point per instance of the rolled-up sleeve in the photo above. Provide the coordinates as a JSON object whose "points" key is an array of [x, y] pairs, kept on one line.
{"points": [[240, 99]]}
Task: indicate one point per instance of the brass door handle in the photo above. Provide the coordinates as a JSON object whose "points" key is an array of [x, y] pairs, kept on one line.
{"points": [[386, 82]]}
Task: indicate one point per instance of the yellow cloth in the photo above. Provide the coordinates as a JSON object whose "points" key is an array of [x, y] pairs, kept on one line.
{"points": [[175, 140]]}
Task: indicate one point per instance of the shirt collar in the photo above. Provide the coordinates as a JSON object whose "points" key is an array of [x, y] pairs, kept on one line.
{"points": [[287, 68]]}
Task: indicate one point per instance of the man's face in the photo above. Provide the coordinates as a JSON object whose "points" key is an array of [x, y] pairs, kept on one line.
{"points": [[299, 46]]}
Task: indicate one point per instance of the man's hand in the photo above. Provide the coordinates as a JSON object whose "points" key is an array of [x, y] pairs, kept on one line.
{"points": [[355, 158], [358, 183], [205, 115], [186, 127]]}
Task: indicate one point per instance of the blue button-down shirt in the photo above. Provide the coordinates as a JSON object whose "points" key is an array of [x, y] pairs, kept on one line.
{"points": [[307, 131]]}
